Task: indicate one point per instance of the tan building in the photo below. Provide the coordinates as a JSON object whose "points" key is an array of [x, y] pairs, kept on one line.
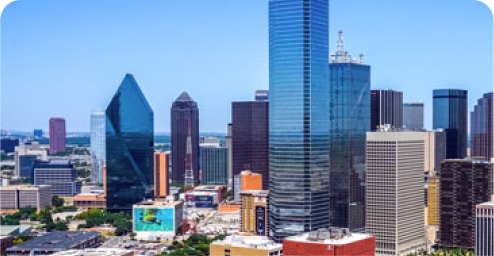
{"points": [[433, 201], [161, 160], [245, 245], [89, 200], [254, 212], [18, 196], [434, 150]]}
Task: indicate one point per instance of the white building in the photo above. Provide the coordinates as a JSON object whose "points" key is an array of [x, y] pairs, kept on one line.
{"points": [[98, 145], [484, 223], [157, 220]]}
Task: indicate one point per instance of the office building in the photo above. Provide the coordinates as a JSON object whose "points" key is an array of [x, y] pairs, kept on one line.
{"points": [[157, 220], [7, 145], [250, 137], [184, 118], [98, 144], [18, 196], [262, 95], [298, 117], [38, 133], [90, 201], [96, 252], [59, 174], [228, 144], [57, 135], [246, 180], [129, 147], [435, 151], [349, 113], [386, 107], [254, 212], [214, 164], [450, 114], [333, 241], [161, 168], [25, 156], [56, 241], [481, 129], [217, 189], [484, 228], [463, 184], [245, 245], [394, 191], [413, 116], [433, 201]]}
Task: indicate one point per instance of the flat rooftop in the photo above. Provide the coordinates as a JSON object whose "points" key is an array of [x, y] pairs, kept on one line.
{"points": [[24, 187], [58, 239], [157, 203], [258, 242], [95, 252], [347, 239]]}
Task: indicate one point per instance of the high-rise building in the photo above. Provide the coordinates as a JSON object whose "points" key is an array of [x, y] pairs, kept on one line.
{"points": [[298, 117], [386, 108], [228, 144], [98, 144], [57, 135], [214, 164], [184, 115], [484, 225], [450, 114], [481, 129], [463, 183], [349, 113], [250, 137], [25, 157], [394, 191], [254, 212], [129, 147], [433, 201], [413, 115], [59, 174], [161, 168], [435, 151]]}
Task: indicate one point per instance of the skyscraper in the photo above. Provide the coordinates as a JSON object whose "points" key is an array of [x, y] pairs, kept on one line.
{"points": [[184, 111], [484, 226], [298, 117], [463, 183], [129, 147], [450, 113], [57, 135], [386, 108], [250, 138], [349, 113], [214, 164], [98, 144], [413, 115], [161, 162], [394, 191], [481, 128]]}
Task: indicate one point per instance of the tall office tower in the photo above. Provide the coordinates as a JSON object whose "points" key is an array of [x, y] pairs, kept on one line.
{"points": [[262, 95], [386, 108], [394, 191], [435, 151], [298, 117], [433, 201], [481, 129], [450, 113], [214, 164], [228, 144], [57, 135], [250, 138], [60, 174], [183, 111], [463, 183], [161, 188], [484, 223], [129, 147], [349, 113], [413, 115], [98, 144]]}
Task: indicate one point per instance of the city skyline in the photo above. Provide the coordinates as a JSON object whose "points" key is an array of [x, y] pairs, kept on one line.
{"points": [[143, 39]]}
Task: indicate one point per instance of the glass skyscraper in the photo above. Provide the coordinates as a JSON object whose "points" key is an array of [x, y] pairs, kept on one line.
{"points": [[386, 108], [413, 115], [450, 113], [298, 117], [98, 144], [349, 116], [481, 128], [129, 147]]}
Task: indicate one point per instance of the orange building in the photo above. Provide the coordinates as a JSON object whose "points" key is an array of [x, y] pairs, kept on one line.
{"points": [[250, 181], [161, 160], [87, 201]]}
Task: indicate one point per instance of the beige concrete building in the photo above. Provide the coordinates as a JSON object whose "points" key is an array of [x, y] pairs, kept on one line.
{"points": [[433, 201], [434, 150], [394, 191], [245, 245], [15, 197]]}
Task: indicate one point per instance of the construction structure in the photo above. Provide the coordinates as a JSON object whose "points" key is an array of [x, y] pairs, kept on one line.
{"points": [[188, 219]]}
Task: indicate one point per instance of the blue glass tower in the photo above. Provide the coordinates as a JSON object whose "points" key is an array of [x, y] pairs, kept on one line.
{"points": [[129, 147], [349, 116], [450, 113], [298, 117]]}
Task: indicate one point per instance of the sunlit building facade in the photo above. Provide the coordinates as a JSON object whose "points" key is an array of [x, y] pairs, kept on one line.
{"points": [[98, 144]]}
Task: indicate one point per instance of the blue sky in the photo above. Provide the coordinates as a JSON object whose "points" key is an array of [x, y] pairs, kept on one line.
{"points": [[67, 57]]}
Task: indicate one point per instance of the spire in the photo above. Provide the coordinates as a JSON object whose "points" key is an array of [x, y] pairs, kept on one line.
{"points": [[341, 43]]}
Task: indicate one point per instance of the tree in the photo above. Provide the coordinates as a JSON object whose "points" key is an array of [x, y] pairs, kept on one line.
{"points": [[132, 235], [56, 201]]}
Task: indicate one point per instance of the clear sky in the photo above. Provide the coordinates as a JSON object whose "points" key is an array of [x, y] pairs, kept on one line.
{"points": [[67, 57]]}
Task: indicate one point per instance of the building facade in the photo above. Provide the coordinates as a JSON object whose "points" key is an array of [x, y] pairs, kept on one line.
{"points": [[129, 147], [250, 137], [254, 212], [435, 151], [214, 164], [25, 156], [484, 228], [57, 135], [450, 114], [413, 116], [386, 108], [349, 113], [394, 191], [184, 117], [228, 145], [246, 245], [15, 197], [8, 145], [463, 184], [481, 129], [161, 170], [157, 220], [98, 145], [59, 174], [433, 201], [298, 117]]}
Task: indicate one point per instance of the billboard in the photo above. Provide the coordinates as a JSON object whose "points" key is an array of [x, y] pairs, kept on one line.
{"points": [[204, 201], [154, 219], [260, 220]]}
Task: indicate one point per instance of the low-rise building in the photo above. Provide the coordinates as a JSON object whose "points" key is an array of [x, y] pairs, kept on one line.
{"points": [[333, 241], [89, 200], [18, 196], [484, 223], [96, 252], [219, 189], [246, 245], [5, 242], [58, 173], [203, 199], [157, 220]]}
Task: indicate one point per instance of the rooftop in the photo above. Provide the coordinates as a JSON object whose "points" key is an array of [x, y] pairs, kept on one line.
{"points": [[58, 239], [258, 242], [95, 252], [209, 187], [156, 203], [329, 236], [24, 187]]}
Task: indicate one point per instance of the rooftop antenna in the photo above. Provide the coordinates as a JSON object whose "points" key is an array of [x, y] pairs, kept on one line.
{"points": [[341, 43]]}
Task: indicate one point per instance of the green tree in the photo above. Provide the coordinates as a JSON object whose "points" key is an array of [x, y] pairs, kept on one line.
{"points": [[56, 201]]}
